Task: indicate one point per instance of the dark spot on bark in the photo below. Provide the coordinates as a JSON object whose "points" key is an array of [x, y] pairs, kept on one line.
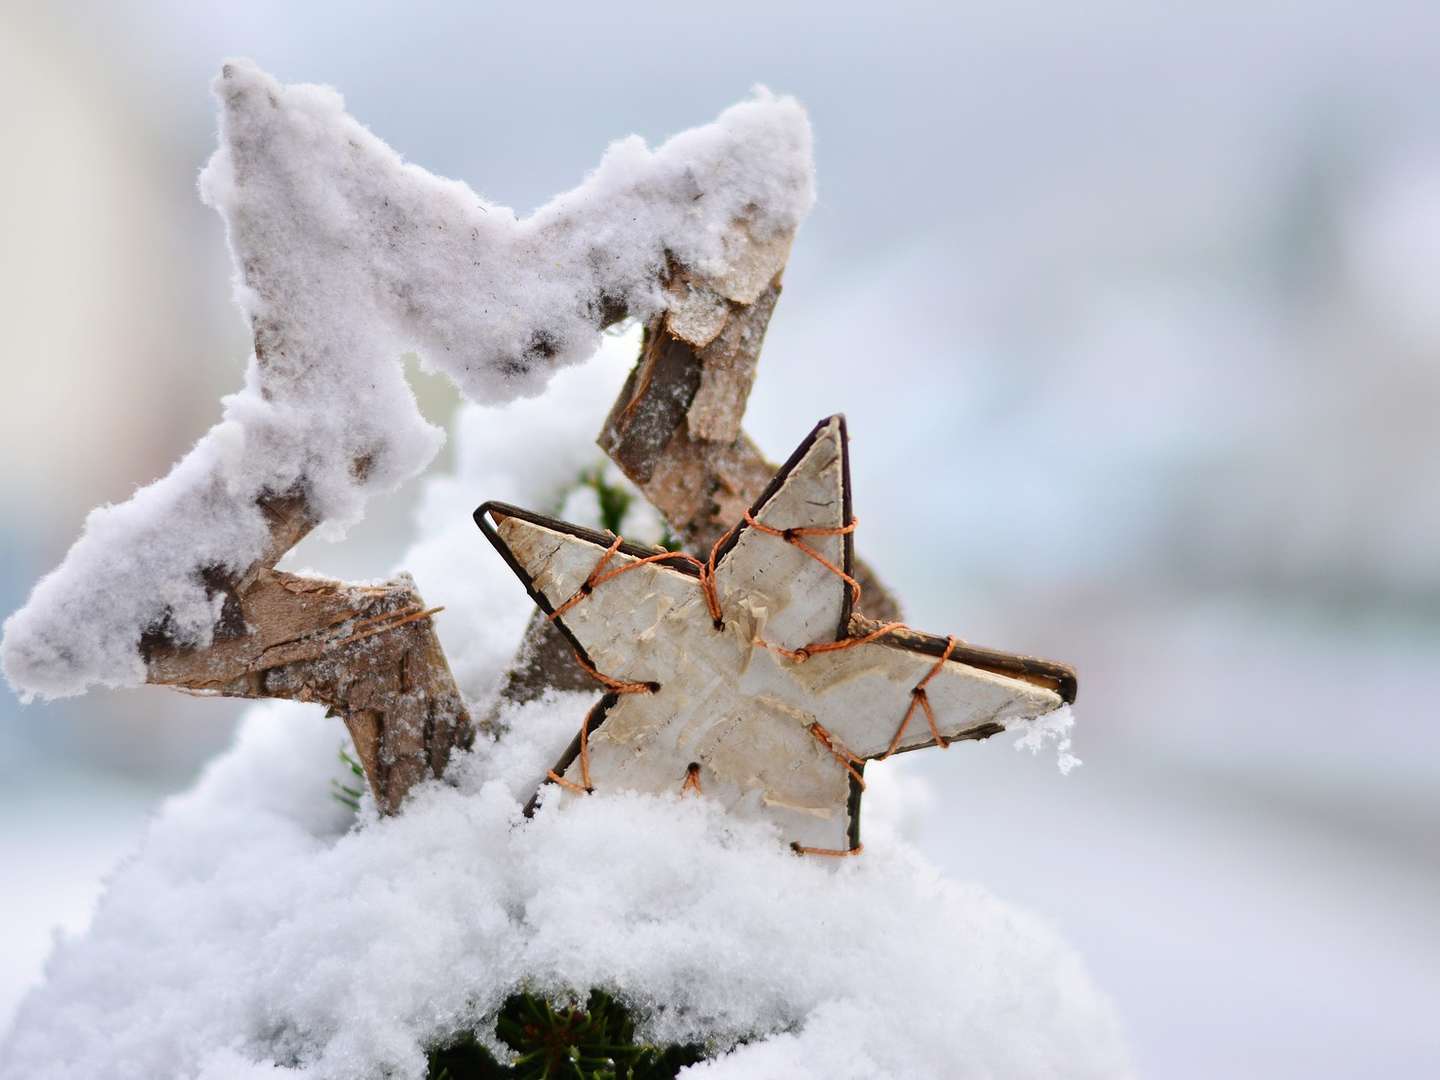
{"points": [[542, 346]]}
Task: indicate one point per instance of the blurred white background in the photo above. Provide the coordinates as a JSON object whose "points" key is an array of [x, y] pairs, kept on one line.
{"points": [[1155, 289]]}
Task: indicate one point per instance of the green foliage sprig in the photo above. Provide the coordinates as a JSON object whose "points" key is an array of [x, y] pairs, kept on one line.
{"points": [[593, 1043], [347, 794], [615, 501]]}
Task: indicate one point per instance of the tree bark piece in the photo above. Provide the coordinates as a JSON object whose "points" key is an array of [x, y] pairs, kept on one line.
{"points": [[675, 430], [368, 653], [545, 661]]}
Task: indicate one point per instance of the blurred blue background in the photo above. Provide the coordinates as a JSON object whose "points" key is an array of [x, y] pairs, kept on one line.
{"points": [[1156, 289]]}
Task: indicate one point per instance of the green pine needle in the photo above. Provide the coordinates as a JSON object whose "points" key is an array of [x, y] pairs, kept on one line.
{"points": [[614, 500], [345, 794]]}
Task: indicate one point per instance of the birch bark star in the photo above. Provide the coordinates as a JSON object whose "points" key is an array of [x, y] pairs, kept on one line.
{"points": [[750, 678]]}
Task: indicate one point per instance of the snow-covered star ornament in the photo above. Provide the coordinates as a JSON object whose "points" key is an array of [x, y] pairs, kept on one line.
{"points": [[749, 677]]}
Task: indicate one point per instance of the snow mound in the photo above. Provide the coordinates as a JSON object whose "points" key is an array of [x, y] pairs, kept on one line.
{"points": [[347, 257], [251, 928]]}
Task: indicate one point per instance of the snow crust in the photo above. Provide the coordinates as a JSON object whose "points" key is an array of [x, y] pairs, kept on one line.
{"points": [[346, 258], [262, 931]]}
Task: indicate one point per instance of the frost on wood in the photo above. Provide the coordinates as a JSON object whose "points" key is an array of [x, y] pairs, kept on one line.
{"points": [[346, 257]]}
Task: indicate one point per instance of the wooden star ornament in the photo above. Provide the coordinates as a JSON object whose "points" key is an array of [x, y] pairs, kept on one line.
{"points": [[749, 677]]}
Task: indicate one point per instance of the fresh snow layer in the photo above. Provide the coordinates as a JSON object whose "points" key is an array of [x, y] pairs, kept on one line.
{"points": [[250, 927], [346, 258], [261, 931]]}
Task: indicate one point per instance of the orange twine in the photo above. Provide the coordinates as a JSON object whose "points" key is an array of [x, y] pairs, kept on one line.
{"points": [[834, 853], [692, 779], [792, 537], [841, 752], [614, 685], [707, 578], [556, 778], [390, 620], [919, 697], [585, 787], [804, 653], [596, 578]]}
